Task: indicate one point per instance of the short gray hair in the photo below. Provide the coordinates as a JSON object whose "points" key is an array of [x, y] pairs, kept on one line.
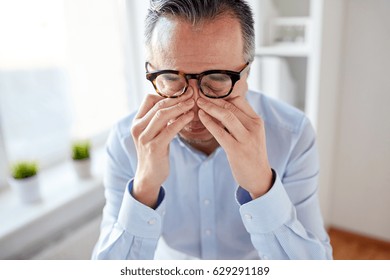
{"points": [[196, 11]]}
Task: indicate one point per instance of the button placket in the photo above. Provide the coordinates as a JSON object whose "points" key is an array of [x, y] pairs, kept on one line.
{"points": [[207, 211]]}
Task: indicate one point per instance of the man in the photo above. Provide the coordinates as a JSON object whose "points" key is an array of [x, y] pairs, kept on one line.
{"points": [[207, 169]]}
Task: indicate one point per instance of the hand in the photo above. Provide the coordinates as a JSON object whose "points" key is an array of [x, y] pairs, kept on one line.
{"points": [[156, 124], [240, 131]]}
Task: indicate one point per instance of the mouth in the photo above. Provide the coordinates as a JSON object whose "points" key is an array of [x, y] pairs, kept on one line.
{"points": [[195, 127]]}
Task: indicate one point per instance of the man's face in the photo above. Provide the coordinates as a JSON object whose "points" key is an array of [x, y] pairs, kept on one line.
{"points": [[177, 45]]}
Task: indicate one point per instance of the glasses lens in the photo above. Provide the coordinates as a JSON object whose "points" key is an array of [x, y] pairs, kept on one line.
{"points": [[216, 85], [170, 84]]}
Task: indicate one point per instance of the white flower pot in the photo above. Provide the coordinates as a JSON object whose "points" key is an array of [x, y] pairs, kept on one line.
{"points": [[28, 189], [83, 168]]}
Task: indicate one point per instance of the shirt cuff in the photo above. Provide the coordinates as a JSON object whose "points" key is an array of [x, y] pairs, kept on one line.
{"points": [[139, 219], [268, 212], [243, 196]]}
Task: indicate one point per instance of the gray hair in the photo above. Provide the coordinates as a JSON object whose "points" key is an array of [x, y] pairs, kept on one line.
{"points": [[196, 11]]}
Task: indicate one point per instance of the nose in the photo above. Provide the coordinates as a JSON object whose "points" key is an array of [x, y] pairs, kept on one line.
{"points": [[193, 85]]}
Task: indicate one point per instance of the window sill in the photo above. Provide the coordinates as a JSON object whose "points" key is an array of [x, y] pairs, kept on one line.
{"points": [[67, 202]]}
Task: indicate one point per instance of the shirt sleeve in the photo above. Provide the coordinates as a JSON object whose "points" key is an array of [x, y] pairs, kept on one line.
{"points": [[286, 222], [129, 229]]}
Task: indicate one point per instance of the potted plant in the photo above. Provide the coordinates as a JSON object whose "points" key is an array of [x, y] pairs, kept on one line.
{"points": [[24, 180], [81, 158]]}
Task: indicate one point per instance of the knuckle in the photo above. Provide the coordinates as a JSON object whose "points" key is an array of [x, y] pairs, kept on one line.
{"points": [[160, 114], [229, 116], [142, 139], [148, 98], [170, 129], [153, 147], [259, 122], [180, 106], [161, 104], [220, 131], [229, 106], [135, 130], [183, 106]]}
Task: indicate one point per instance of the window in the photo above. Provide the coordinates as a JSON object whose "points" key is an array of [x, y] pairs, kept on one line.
{"points": [[64, 75]]}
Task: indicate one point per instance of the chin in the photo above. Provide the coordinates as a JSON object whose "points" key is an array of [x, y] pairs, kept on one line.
{"points": [[196, 137]]}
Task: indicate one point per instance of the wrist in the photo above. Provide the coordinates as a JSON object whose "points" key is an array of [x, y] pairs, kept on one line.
{"points": [[268, 182], [144, 193]]}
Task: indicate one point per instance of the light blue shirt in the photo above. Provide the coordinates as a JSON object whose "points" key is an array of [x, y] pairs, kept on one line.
{"points": [[204, 214]]}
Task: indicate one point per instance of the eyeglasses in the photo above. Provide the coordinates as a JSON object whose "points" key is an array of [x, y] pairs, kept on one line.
{"points": [[212, 83]]}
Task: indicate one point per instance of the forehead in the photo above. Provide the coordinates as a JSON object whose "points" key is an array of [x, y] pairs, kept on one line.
{"points": [[177, 44]]}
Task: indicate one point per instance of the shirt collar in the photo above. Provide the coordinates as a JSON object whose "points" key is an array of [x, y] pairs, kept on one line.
{"points": [[202, 156]]}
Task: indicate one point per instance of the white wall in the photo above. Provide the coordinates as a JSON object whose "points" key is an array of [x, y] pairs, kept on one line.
{"points": [[328, 97], [360, 195]]}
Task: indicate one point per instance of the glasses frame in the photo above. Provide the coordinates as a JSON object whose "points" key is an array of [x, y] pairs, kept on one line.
{"points": [[234, 76]]}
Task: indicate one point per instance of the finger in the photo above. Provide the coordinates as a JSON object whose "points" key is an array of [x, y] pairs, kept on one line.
{"points": [[219, 132], [244, 106], [149, 101], [255, 123], [243, 112], [153, 102], [167, 103], [174, 127], [227, 115], [163, 103], [162, 117]]}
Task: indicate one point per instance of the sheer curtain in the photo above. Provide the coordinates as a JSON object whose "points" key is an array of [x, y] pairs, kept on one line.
{"points": [[132, 15]]}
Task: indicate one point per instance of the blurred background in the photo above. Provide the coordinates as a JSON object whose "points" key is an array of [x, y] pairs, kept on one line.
{"points": [[70, 69]]}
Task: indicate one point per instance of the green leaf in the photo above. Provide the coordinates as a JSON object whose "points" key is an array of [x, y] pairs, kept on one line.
{"points": [[80, 150], [24, 169]]}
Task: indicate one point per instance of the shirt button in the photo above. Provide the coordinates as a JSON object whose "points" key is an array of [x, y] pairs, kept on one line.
{"points": [[265, 257], [152, 221], [207, 232], [206, 202], [248, 216]]}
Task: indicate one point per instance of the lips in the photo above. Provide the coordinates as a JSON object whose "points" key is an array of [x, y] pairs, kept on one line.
{"points": [[195, 127]]}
